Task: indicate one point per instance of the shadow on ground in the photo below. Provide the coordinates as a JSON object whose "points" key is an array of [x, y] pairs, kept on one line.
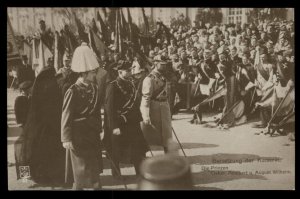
{"points": [[187, 146]]}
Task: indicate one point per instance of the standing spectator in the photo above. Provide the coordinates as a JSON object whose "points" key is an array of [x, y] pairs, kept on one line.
{"points": [[24, 71]]}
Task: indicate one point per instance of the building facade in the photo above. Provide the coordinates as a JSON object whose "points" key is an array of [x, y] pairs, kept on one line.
{"points": [[26, 20]]}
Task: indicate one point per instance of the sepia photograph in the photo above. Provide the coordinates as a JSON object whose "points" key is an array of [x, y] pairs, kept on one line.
{"points": [[150, 98]]}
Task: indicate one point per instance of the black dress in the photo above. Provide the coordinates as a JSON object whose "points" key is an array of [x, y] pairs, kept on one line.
{"points": [[42, 149]]}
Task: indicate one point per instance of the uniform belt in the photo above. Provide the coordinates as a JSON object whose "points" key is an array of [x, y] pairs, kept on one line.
{"points": [[80, 119]]}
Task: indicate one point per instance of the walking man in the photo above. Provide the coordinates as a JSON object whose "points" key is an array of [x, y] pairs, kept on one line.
{"points": [[155, 107]]}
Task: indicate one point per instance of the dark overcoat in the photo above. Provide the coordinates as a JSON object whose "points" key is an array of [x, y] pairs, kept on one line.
{"points": [[81, 125], [122, 111]]}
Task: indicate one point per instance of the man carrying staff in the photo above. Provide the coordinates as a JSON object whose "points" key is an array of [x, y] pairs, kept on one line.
{"points": [[126, 142], [155, 107]]}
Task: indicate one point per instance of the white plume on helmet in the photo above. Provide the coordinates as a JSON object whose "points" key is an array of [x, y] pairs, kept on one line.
{"points": [[84, 59]]}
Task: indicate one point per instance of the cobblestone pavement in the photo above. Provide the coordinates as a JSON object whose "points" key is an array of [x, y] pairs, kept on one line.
{"points": [[235, 159]]}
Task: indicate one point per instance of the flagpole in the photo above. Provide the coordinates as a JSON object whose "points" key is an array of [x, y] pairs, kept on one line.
{"points": [[277, 110]]}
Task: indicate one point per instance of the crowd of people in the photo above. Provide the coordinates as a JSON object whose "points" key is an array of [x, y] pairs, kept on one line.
{"points": [[233, 70]]}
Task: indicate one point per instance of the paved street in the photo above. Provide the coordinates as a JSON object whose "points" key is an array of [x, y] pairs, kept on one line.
{"points": [[234, 159]]}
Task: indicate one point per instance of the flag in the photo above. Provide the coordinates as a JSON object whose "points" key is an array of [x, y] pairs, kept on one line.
{"points": [[219, 93], [268, 98], [111, 18], [81, 29], [58, 54], [97, 44], [13, 53], [103, 29], [130, 31], [285, 103], [124, 25], [145, 23], [134, 35], [70, 41], [118, 35]]}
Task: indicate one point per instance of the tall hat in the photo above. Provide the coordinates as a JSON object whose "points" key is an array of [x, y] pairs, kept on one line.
{"points": [[84, 59]]}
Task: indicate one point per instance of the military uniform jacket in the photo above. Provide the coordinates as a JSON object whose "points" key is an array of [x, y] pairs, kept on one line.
{"points": [[121, 103], [155, 105], [81, 109]]}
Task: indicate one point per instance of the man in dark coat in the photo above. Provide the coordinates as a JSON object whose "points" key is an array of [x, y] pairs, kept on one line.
{"points": [[42, 150], [126, 143], [24, 71]]}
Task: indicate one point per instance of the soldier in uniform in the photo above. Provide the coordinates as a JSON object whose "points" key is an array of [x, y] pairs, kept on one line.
{"points": [[126, 143], [81, 124], [65, 76], [155, 107]]}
